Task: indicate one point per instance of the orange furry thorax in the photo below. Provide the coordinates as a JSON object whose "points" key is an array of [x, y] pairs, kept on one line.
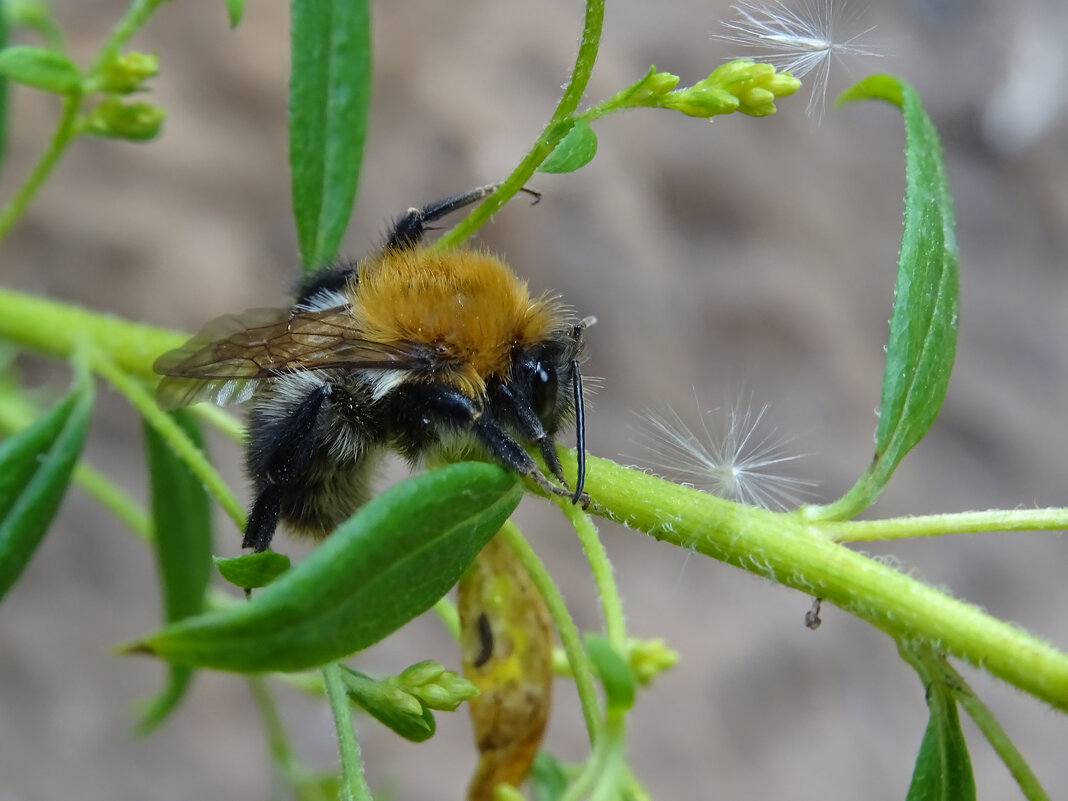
{"points": [[470, 306]]}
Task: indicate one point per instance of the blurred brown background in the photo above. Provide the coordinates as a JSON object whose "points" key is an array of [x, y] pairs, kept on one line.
{"points": [[741, 256]]}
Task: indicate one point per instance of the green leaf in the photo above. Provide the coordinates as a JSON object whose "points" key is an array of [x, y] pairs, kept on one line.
{"points": [[37, 16], [614, 672], [329, 93], [923, 326], [35, 470], [548, 779], [388, 563], [943, 769], [253, 570], [3, 89], [575, 150], [235, 9], [412, 720], [181, 515], [40, 68]]}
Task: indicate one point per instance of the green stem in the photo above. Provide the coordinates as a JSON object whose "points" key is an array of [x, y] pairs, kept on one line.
{"points": [[606, 767], [66, 130], [68, 127], [798, 553], [614, 622], [353, 784], [56, 329], [581, 668], [187, 451], [449, 615], [788, 548], [555, 130], [130, 22], [933, 525], [223, 421], [281, 752], [996, 736], [115, 500]]}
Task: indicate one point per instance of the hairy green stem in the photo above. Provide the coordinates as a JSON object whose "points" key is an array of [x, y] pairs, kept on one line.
{"points": [[68, 126], [612, 606], [581, 668], [221, 420], [116, 500], [785, 547], [172, 434], [277, 742], [353, 784], [66, 129], [958, 523], [996, 736], [130, 22], [797, 553], [449, 615], [555, 130], [56, 329]]}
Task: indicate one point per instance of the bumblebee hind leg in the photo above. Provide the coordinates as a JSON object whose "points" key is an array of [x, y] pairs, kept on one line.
{"points": [[280, 465]]}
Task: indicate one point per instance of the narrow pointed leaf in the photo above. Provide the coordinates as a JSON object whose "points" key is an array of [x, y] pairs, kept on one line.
{"points": [[35, 471], [235, 9], [329, 93], [943, 769], [253, 570], [574, 151], [40, 68], [181, 515], [390, 562], [923, 327], [3, 91]]}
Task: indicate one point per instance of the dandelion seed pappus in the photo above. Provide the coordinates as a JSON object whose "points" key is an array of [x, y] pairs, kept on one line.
{"points": [[428, 354], [800, 38]]}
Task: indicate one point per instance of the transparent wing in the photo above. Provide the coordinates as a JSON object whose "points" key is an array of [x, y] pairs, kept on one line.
{"points": [[231, 355]]}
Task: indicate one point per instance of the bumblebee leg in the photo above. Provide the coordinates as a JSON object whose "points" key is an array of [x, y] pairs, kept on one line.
{"points": [[526, 419], [511, 454], [407, 231], [283, 465]]}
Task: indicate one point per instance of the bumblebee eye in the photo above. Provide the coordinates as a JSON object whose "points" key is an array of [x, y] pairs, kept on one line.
{"points": [[543, 390]]}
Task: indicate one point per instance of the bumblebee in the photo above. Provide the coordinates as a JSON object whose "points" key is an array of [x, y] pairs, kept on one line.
{"points": [[430, 354]]}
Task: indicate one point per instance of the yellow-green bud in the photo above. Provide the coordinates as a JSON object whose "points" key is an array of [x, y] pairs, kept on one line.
{"points": [[505, 792], [403, 701], [700, 101], [650, 657], [655, 84], [755, 85], [420, 673], [128, 72], [116, 119]]}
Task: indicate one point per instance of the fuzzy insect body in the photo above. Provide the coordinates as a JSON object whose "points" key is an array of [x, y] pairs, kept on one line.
{"points": [[420, 352]]}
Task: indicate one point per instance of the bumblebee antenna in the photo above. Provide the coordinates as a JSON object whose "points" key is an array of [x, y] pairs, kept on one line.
{"points": [[580, 432]]}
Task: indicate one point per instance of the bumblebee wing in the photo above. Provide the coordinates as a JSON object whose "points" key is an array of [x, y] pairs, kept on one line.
{"points": [[232, 355]]}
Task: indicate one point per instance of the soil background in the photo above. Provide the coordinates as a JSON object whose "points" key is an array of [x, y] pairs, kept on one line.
{"points": [[740, 258]]}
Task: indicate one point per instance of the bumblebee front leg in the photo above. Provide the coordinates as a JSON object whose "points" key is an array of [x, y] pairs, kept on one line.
{"points": [[407, 231], [279, 458]]}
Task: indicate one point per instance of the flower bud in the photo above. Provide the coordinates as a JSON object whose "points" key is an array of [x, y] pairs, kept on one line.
{"points": [[116, 119], [649, 658], [126, 73], [420, 673]]}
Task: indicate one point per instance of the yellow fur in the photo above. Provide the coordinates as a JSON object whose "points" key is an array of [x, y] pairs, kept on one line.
{"points": [[467, 304]]}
